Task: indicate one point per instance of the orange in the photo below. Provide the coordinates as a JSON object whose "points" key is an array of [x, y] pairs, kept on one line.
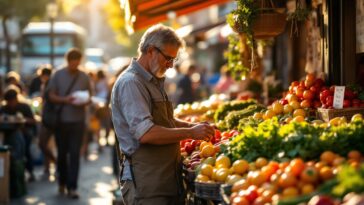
{"points": [[269, 114], [261, 162], [287, 180], [207, 170], [277, 108], [222, 161], [207, 151], [221, 174], [294, 104], [268, 171], [307, 189], [305, 104], [319, 165], [231, 179], [267, 195], [328, 157], [291, 97], [356, 117], [297, 165], [309, 175], [338, 161], [258, 116], [290, 192], [354, 154], [202, 178], [335, 121], [287, 109], [242, 184], [203, 144], [256, 178], [299, 112], [240, 200], [240, 166], [288, 120], [326, 173], [298, 119], [310, 77]]}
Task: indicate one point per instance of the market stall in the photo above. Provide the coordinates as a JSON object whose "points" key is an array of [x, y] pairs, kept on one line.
{"points": [[305, 146]]}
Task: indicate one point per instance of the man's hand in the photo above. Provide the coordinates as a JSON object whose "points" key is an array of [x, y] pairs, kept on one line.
{"points": [[202, 131], [68, 99]]}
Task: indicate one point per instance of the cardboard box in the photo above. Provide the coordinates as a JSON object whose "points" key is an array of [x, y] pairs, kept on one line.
{"points": [[4, 176]]}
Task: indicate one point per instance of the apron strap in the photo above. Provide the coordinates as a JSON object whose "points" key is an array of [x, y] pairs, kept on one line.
{"points": [[122, 158]]}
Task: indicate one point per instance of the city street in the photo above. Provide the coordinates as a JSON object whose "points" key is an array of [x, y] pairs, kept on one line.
{"points": [[96, 184]]}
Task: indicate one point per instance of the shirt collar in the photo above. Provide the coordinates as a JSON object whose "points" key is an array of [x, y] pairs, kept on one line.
{"points": [[140, 70], [145, 74]]}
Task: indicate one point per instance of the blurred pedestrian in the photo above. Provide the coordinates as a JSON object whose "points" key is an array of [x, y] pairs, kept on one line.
{"points": [[225, 81], [143, 120], [38, 83], [185, 91], [71, 127], [13, 78], [103, 112], [23, 111], [45, 133]]}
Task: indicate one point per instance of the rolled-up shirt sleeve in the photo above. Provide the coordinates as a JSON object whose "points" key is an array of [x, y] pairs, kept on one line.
{"points": [[136, 108]]}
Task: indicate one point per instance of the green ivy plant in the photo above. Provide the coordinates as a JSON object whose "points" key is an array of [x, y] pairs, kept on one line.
{"points": [[299, 15], [242, 18], [234, 61], [241, 21]]}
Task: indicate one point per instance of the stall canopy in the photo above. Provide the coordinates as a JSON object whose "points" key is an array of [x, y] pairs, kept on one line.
{"points": [[140, 14]]}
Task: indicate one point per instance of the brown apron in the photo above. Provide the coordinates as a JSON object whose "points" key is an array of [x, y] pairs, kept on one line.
{"points": [[156, 169]]}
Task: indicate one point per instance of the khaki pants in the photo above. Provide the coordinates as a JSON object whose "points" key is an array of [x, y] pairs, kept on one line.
{"points": [[128, 197]]}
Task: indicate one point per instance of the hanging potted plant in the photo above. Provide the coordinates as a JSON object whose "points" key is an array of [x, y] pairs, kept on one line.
{"points": [[257, 19]]}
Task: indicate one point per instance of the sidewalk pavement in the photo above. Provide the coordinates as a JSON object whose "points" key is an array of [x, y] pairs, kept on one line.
{"points": [[95, 185]]}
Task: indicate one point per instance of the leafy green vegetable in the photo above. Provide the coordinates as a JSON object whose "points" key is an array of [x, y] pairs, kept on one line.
{"points": [[350, 180], [224, 110], [274, 141]]}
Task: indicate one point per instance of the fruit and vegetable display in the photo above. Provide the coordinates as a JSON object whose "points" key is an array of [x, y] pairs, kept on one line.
{"points": [[200, 111], [283, 153]]}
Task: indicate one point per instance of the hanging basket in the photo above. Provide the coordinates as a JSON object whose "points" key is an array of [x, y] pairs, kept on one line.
{"points": [[269, 24]]}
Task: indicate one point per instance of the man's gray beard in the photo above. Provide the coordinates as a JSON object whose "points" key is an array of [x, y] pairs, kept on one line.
{"points": [[155, 68]]}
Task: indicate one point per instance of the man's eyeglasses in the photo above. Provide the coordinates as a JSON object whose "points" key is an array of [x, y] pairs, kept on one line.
{"points": [[169, 59]]}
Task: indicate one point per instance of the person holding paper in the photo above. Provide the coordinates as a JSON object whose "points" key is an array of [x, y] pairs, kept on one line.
{"points": [[71, 127]]}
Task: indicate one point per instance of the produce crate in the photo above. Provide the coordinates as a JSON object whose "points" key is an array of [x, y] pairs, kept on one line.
{"points": [[189, 177], [225, 191], [328, 114], [209, 191]]}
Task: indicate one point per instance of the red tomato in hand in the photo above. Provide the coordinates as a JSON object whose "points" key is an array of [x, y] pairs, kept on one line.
{"points": [[217, 133], [189, 148]]}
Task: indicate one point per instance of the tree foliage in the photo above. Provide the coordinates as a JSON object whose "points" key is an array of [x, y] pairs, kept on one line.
{"points": [[115, 18], [24, 11]]}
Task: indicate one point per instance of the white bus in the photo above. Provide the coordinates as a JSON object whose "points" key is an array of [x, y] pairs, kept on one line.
{"points": [[35, 44]]}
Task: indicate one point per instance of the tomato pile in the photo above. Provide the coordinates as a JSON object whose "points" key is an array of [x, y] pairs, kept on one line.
{"points": [[350, 98], [269, 182]]}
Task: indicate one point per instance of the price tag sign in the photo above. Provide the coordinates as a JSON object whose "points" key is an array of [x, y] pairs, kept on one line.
{"points": [[339, 97]]}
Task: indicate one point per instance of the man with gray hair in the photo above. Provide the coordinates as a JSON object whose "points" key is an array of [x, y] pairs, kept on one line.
{"points": [[143, 119]]}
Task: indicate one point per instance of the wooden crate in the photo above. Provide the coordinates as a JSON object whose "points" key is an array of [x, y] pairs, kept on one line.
{"points": [[328, 114]]}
